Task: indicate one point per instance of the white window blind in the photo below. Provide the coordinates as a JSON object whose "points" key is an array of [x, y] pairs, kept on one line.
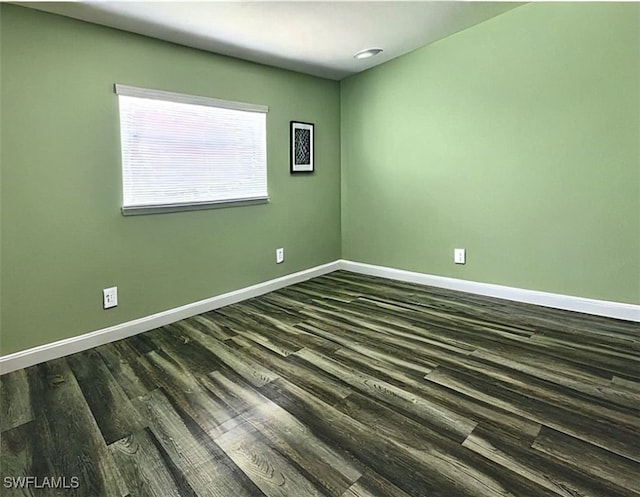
{"points": [[182, 151]]}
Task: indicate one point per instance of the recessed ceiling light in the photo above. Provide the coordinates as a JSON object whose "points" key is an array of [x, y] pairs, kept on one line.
{"points": [[369, 52]]}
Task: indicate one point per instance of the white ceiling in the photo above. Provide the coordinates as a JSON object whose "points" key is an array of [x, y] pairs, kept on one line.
{"points": [[318, 38]]}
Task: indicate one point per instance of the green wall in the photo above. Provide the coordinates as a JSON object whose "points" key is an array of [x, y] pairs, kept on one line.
{"points": [[517, 139], [63, 236]]}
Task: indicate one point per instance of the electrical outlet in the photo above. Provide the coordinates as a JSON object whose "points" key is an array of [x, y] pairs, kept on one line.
{"points": [[279, 255], [459, 256], [110, 297]]}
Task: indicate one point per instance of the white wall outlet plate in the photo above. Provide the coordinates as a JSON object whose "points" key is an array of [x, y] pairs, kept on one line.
{"points": [[279, 255], [110, 297], [459, 256]]}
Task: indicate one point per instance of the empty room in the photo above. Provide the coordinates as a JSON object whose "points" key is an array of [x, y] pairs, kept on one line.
{"points": [[320, 249]]}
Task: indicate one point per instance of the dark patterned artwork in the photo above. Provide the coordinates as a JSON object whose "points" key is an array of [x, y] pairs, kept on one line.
{"points": [[301, 147]]}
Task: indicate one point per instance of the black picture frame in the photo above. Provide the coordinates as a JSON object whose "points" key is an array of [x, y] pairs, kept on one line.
{"points": [[301, 147]]}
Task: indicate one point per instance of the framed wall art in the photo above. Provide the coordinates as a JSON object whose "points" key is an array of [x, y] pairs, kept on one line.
{"points": [[301, 144]]}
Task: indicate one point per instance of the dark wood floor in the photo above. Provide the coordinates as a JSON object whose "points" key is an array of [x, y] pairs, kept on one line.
{"points": [[344, 385]]}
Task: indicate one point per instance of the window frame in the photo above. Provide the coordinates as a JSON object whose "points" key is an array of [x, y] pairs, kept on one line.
{"points": [[133, 91]]}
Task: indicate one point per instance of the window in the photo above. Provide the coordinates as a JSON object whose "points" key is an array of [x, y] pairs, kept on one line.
{"points": [[184, 152]]}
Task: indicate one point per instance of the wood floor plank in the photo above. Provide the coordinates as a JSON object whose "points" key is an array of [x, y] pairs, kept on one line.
{"points": [[439, 451], [274, 474], [115, 415], [239, 342], [549, 386], [581, 456], [536, 467], [282, 315], [595, 399], [345, 385], [447, 420], [620, 363], [207, 475], [15, 405], [446, 320], [398, 325], [211, 324], [190, 354], [382, 366], [497, 337], [438, 306], [331, 470], [362, 341], [250, 370], [147, 469], [372, 484], [256, 328], [626, 385], [602, 434], [430, 476], [306, 375], [295, 336], [185, 392], [121, 371], [286, 335], [21, 457], [342, 431], [505, 422], [69, 437], [316, 288], [485, 448], [122, 359]]}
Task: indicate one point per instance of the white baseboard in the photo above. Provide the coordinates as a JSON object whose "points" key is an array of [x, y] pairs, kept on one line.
{"points": [[618, 310], [61, 348]]}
